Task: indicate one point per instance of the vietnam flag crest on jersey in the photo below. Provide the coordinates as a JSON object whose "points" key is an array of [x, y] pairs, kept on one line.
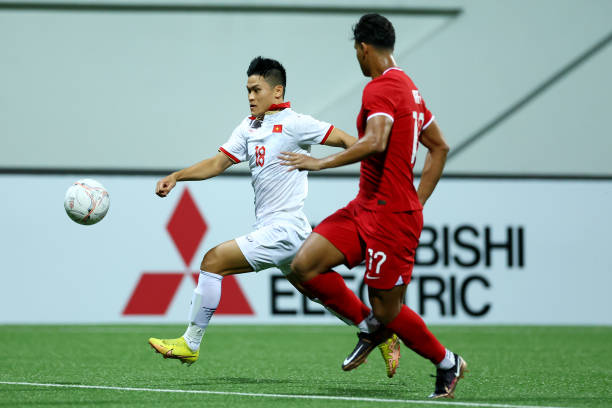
{"points": [[277, 129]]}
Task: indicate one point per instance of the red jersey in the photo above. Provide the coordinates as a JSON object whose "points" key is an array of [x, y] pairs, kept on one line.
{"points": [[386, 180]]}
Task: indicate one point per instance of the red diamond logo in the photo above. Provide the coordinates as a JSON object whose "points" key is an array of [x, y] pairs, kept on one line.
{"points": [[187, 227], [155, 291]]}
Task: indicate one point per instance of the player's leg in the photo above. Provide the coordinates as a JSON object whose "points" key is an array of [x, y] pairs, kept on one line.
{"points": [[388, 308], [384, 238], [224, 259], [387, 342], [293, 235], [286, 270], [317, 255], [339, 242], [410, 327], [255, 251], [312, 268], [389, 263]]}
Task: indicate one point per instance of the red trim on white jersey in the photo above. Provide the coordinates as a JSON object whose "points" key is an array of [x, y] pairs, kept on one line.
{"points": [[228, 154], [279, 106], [327, 134]]}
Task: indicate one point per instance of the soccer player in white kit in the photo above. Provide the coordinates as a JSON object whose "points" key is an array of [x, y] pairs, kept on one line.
{"points": [[281, 227]]}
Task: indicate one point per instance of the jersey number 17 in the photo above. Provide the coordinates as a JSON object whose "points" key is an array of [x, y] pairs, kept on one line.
{"points": [[419, 119]]}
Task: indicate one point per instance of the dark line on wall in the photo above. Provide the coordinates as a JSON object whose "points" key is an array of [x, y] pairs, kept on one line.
{"points": [[84, 172], [216, 8], [94, 171], [531, 95], [527, 177]]}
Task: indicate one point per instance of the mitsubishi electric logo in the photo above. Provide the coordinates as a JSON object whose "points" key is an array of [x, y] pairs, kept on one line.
{"points": [[155, 290]]}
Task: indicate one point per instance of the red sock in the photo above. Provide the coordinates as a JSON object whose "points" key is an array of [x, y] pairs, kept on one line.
{"points": [[414, 333], [331, 290]]}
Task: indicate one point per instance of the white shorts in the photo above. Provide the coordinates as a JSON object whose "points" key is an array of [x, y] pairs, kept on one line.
{"points": [[273, 245]]}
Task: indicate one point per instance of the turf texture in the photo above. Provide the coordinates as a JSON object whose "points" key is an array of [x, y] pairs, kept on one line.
{"points": [[509, 366]]}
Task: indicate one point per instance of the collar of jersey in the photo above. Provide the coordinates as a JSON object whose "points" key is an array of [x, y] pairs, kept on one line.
{"points": [[279, 106], [274, 107], [391, 69]]}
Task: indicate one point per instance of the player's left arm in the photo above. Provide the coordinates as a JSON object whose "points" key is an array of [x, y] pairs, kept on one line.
{"points": [[437, 149], [374, 140], [339, 138]]}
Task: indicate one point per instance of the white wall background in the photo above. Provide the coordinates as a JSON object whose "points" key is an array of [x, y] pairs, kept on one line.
{"points": [[154, 90]]}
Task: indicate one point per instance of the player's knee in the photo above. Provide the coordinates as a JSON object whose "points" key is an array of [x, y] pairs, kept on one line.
{"points": [[385, 309], [385, 314], [212, 262], [299, 268], [381, 315]]}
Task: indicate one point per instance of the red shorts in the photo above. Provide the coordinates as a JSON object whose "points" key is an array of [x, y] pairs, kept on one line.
{"points": [[387, 241]]}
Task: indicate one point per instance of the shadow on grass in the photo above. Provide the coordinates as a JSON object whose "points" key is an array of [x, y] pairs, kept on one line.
{"points": [[241, 380], [311, 387]]}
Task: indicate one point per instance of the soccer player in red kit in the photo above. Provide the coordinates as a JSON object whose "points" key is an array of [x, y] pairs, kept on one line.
{"points": [[382, 225]]}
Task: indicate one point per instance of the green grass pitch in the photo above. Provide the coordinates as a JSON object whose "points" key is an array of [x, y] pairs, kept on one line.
{"points": [[509, 366]]}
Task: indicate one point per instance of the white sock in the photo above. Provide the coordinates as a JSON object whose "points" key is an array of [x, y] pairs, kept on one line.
{"points": [[369, 325], [448, 362], [204, 302], [373, 323], [363, 326]]}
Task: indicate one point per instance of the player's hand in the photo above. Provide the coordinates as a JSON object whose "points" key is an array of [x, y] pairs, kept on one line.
{"points": [[298, 161], [165, 185]]}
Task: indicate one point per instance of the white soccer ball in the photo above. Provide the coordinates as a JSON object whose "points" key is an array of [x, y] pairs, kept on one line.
{"points": [[86, 202]]}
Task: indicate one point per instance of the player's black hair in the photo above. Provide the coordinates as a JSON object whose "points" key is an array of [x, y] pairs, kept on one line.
{"points": [[272, 71], [376, 30]]}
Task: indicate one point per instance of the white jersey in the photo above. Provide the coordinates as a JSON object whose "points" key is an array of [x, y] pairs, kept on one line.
{"points": [[278, 192]]}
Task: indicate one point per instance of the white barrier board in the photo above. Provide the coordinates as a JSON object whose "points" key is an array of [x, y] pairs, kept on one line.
{"points": [[492, 251]]}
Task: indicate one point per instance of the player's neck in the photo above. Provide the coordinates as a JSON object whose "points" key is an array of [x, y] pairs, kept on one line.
{"points": [[381, 63], [276, 107]]}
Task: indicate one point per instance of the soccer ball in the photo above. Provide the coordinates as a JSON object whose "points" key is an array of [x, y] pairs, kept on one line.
{"points": [[86, 202]]}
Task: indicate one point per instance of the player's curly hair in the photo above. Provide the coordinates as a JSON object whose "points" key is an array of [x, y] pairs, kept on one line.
{"points": [[272, 71], [376, 30]]}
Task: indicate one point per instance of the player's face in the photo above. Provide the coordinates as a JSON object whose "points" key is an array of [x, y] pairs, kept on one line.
{"points": [[261, 94], [360, 52]]}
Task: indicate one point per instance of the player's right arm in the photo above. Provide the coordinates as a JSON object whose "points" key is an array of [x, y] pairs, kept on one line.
{"points": [[339, 138], [203, 170], [375, 140]]}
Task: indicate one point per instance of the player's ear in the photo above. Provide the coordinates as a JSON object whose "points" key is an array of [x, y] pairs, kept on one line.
{"points": [[279, 91], [364, 48]]}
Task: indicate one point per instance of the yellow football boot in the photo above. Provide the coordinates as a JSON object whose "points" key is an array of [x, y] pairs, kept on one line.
{"points": [[175, 348], [390, 350]]}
